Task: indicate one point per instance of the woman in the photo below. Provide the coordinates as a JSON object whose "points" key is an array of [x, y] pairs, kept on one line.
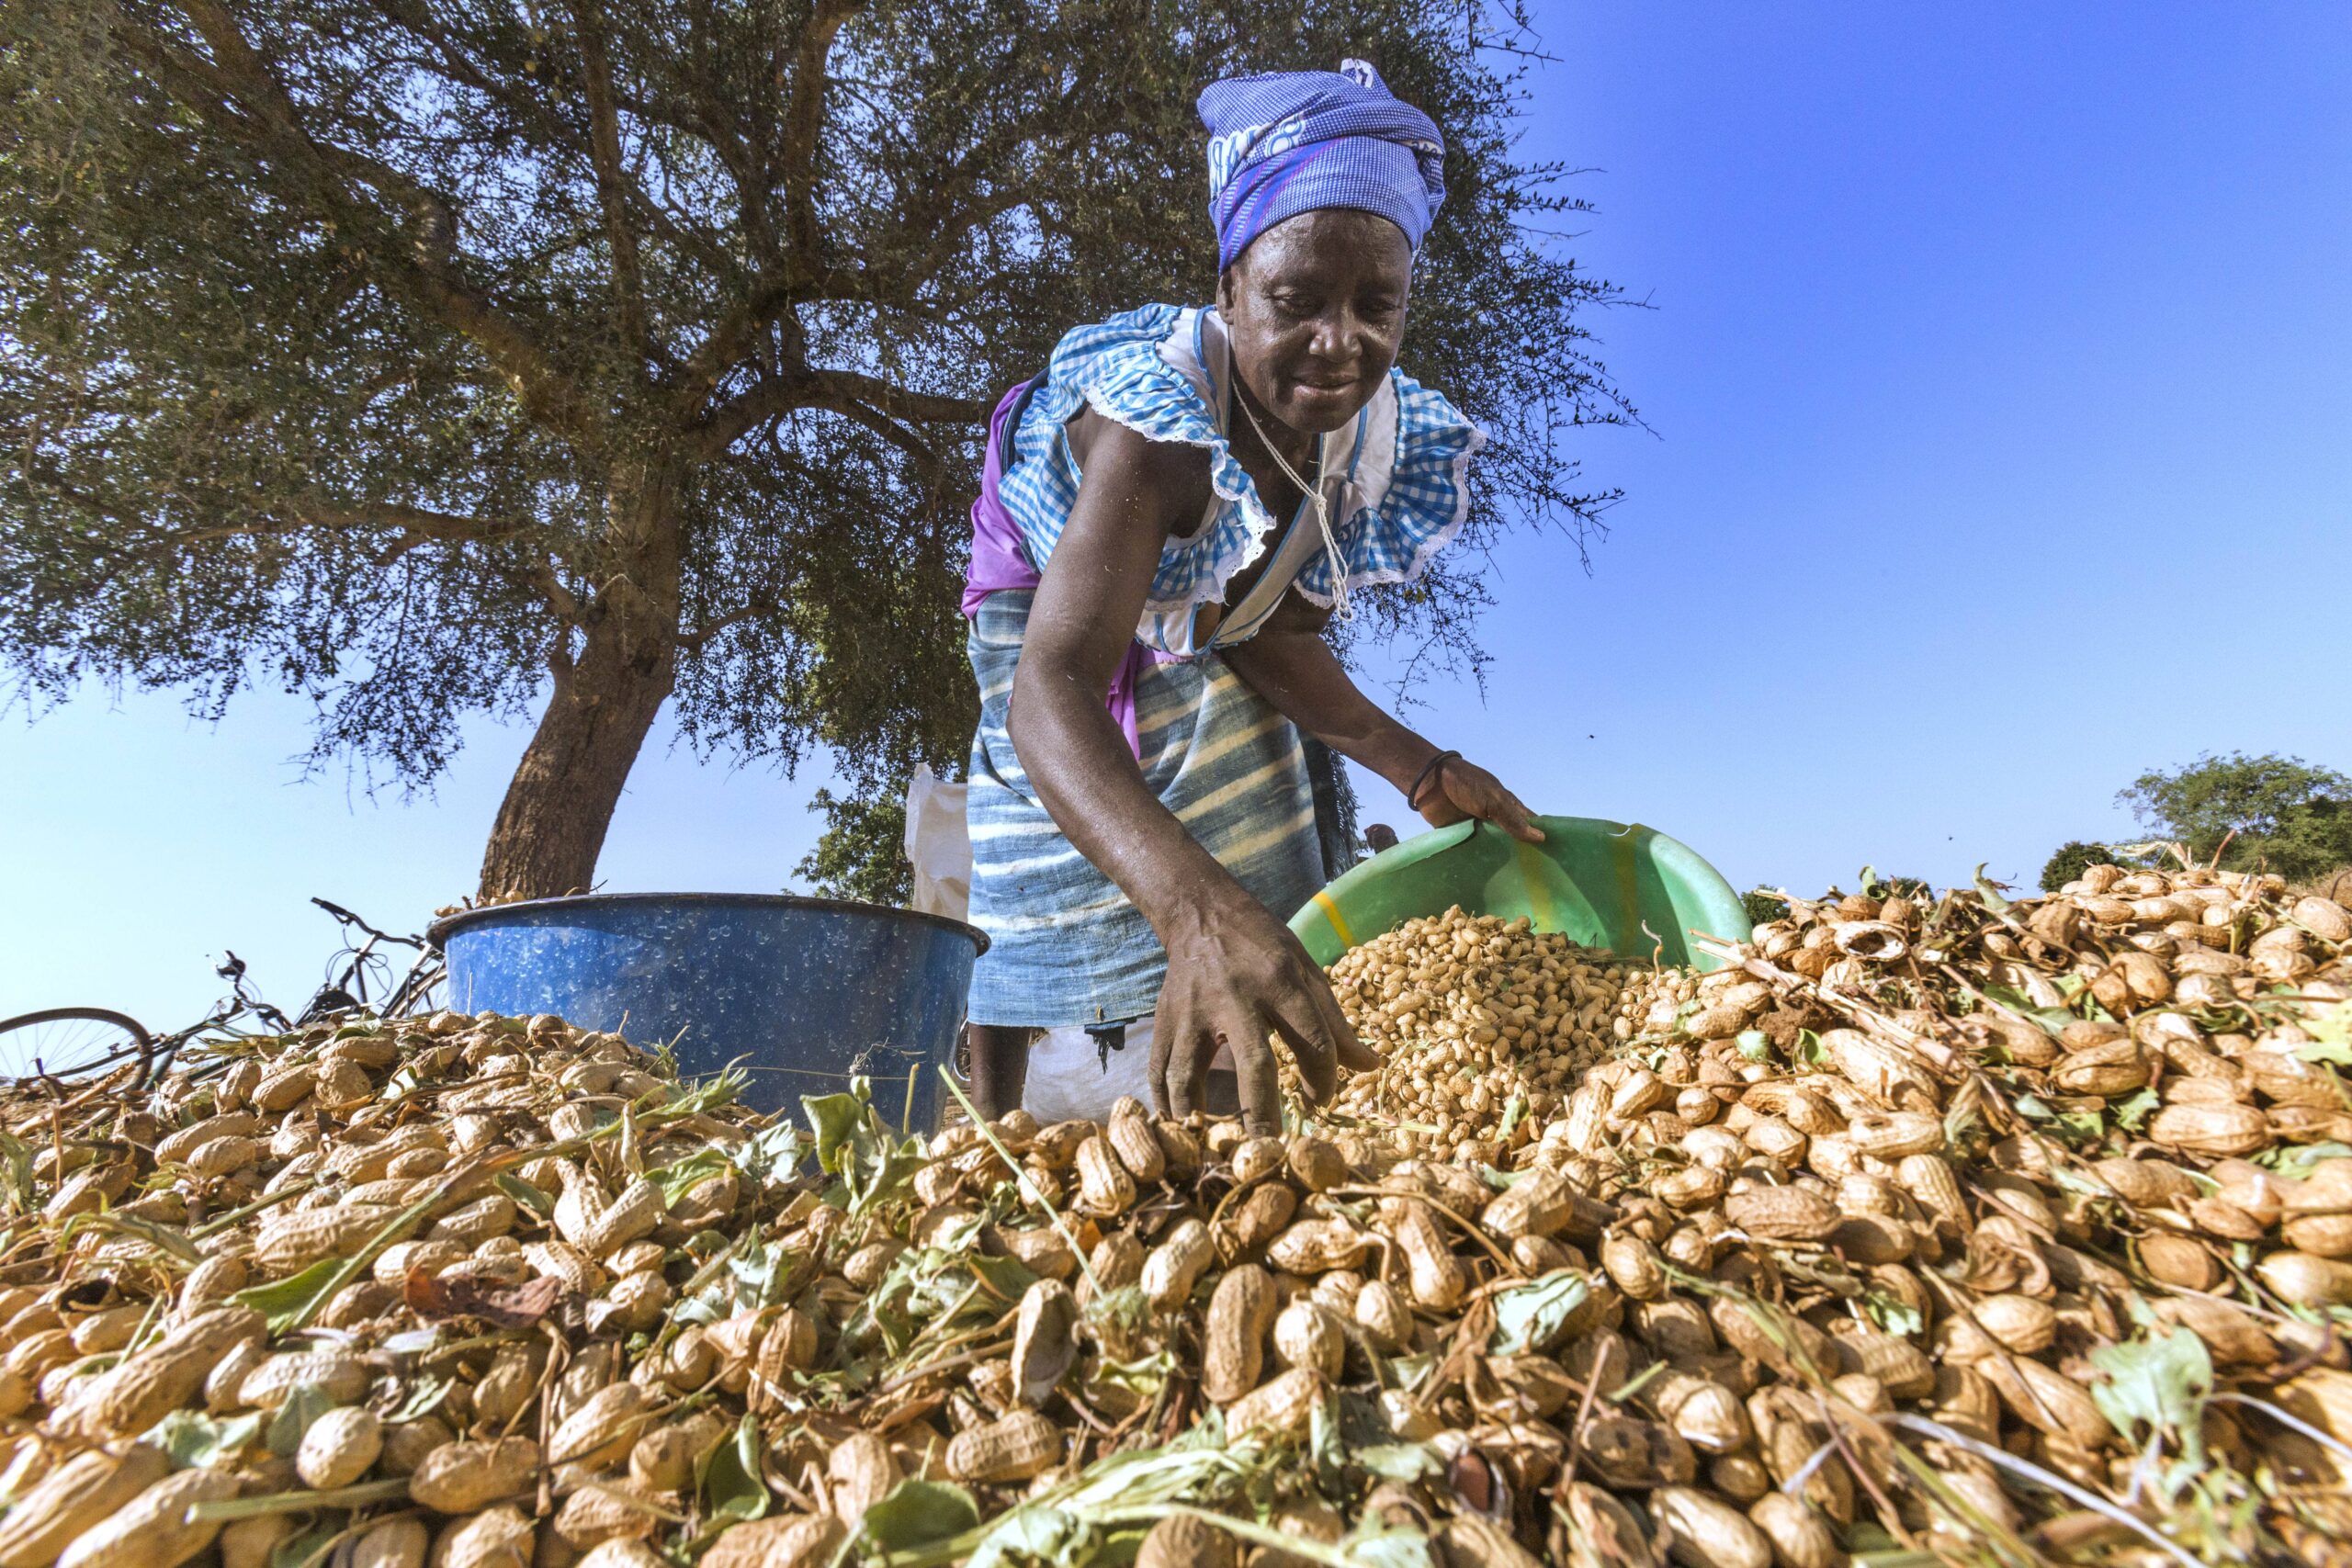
{"points": [[1169, 517]]}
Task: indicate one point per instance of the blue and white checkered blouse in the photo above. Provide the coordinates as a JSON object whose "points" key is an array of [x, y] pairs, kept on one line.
{"points": [[1397, 473]]}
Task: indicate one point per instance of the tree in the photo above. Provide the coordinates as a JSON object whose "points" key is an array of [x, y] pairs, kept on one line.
{"points": [[863, 854], [430, 358], [2266, 813], [2071, 859]]}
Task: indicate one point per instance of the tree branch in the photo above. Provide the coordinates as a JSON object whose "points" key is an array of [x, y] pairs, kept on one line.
{"points": [[417, 524], [560, 599], [258, 109], [604, 146], [804, 118], [842, 391], [694, 641]]}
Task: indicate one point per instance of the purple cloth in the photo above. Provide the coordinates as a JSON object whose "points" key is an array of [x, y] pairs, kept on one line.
{"points": [[1299, 141], [1000, 563], [997, 560]]}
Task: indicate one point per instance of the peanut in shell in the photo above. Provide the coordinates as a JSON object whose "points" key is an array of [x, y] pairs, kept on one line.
{"points": [[1240, 1313], [1015, 1447], [340, 1448], [74, 1497], [153, 1531], [495, 1538], [806, 1540], [460, 1478]]}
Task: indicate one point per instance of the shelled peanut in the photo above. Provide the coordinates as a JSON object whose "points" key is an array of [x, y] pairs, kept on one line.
{"points": [[1471, 1014]]}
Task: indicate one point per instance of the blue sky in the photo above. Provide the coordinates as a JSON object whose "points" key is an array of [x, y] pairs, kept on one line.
{"points": [[1999, 377]]}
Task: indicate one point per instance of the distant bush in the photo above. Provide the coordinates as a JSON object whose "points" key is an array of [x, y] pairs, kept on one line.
{"points": [[2072, 860], [1762, 906]]}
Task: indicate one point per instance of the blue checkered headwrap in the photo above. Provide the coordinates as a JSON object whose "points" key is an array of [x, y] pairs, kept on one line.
{"points": [[1297, 140]]}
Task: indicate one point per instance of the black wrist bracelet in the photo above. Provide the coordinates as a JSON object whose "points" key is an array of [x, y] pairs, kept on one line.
{"points": [[1428, 771]]}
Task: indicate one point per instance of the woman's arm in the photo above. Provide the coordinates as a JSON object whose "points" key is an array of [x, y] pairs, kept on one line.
{"points": [[1233, 971], [1291, 666]]}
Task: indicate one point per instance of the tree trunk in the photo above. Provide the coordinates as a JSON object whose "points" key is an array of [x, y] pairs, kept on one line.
{"points": [[550, 827]]}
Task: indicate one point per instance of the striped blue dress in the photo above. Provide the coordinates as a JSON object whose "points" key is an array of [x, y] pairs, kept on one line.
{"points": [[1066, 946]]}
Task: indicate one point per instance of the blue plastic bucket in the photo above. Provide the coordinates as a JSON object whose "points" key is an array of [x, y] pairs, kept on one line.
{"points": [[806, 992]]}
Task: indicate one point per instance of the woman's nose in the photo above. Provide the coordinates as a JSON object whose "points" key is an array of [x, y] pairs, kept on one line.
{"points": [[1337, 332]]}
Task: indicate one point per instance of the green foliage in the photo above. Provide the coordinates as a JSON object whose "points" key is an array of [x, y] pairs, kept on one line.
{"points": [[1528, 1316], [1763, 906], [2266, 813], [2071, 859], [861, 853], [2160, 1381], [458, 357], [917, 1513], [1873, 886]]}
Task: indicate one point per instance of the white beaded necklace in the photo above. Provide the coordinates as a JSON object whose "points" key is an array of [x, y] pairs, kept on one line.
{"points": [[1339, 605]]}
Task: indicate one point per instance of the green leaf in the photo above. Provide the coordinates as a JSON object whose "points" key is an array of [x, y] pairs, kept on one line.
{"points": [[1388, 1548], [1514, 1113], [1892, 1315], [2132, 1113], [304, 1405], [1528, 1317], [1007, 1279], [1401, 1462], [1032, 1534], [677, 1178], [197, 1441], [1990, 894], [2159, 1381], [917, 1513], [835, 1119], [2295, 1163], [2054, 1021], [283, 1301], [19, 1156], [731, 1484], [163, 1238], [523, 1192], [706, 1095], [1753, 1045], [424, 1395], [296, 1551], [2331, 1036], [760, 1271], [774, 1155], [889, 1174]]}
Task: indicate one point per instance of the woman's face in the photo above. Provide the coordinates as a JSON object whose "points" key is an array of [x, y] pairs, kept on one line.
{"points": [[1315, 308]]}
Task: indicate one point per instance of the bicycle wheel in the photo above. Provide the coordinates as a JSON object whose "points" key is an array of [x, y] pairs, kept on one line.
{"points": [[72, 1043]]}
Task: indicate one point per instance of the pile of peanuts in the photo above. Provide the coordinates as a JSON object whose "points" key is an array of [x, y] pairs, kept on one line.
{"points": [[1473, 1015], [1969, 1229]]}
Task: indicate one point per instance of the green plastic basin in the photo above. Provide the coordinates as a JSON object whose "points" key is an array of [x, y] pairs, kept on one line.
{"points": [[1598, 883]]}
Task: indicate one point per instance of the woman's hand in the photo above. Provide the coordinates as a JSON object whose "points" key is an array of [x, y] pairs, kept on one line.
{"points": [[1235, 974], [1463, 790]]}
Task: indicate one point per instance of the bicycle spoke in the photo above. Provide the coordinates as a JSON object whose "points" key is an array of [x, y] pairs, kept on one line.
{"points": [[68, 1043]]}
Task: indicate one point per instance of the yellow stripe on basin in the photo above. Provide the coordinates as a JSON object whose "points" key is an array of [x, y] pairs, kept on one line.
{"points": [[1624, 860], [1532, 868], [1339, 922]]}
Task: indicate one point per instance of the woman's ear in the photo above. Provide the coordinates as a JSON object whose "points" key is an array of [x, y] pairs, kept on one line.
{"points": [[1224, 293]]}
